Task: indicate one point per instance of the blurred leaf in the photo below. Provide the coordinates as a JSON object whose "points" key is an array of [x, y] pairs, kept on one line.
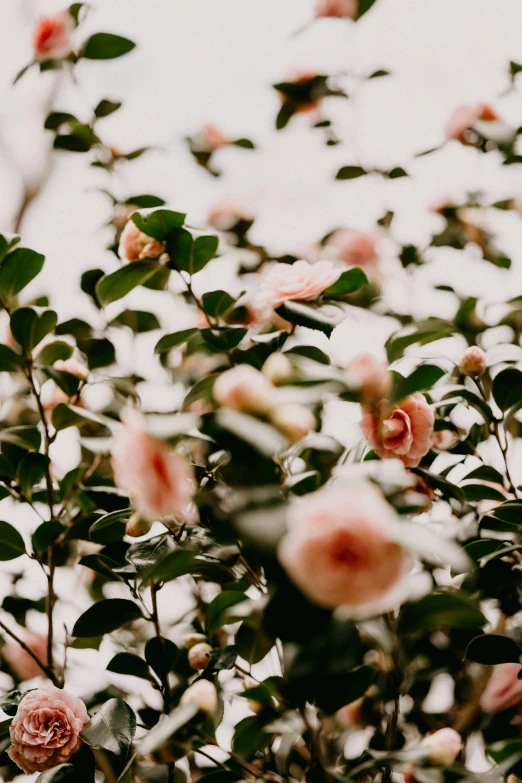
{"points": [[169, 341], [138, 321], [246, 144], [31, 469], [9, 360], [11, 542], [111, 729], [63, 773], [322, 317], [106, 616], [110, 527], [363, 6], [203, 250], [217, 303], [17, 270], [167, 727], [171, 566], [106, 107], [250, 737], [349, 281], [30, 325], [64, 416], [218, 607], [9, 703], [106, 46], [379, 73], [25, 436], [350, 172], [158, 224], [223, 338], [119, 283], [52, 352], [440, 610], [493, 649], [422, 332]]}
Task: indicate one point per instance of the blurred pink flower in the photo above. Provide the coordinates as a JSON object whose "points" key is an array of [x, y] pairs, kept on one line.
{"points": [[370, 376], [135, 245], [357, 248], [46, 729], [404, 431], [300, 281], [244, 388], [73, 367], [158, 481], [444, 746], [504, 688], [211, 137], [227, 213], [339, 9], [52, 37], [340, 549], [20, 661], [463, 119]]}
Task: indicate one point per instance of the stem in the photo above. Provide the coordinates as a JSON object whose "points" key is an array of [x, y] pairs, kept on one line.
{"points": [[46, 669], [165, 685]]}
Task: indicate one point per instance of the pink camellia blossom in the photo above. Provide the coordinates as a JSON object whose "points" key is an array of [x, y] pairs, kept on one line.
{"points": [[473, 361], [300, 281], [504, 689], [371, 377], [158, 481], [294, 420], [444, 746], [19, 660], [46, 729], [243, 388], [338, 9], [52, 37], [463, 119], [356, 248], [211, 137], [341, 549], [227, 214], [403, 431], [135, 245]]}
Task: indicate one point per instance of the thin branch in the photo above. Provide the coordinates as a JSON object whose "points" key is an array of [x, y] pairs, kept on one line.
{"points": [[46, 669]]}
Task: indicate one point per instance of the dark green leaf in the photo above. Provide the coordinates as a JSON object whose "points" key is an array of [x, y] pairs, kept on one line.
{"points": [[507, 388], [17, 270], [31, 469], [63, 773], [171, 566], [9, 703], [349, 281], [158, 224], [30, 325], [106, 616], [217, 303], [161, 655], [106, 107], [203, 250], [440, 610], [52, 352], [363, 6], [9, 360], [166, 728], [223, 339], [322, 317], [218, 608], [111, 527], [138, 320], [119, 283], [127, 663], [424, 377], [179, 248], [11, 542], [106, 46], [112, 728], [422, 332], [377, 74], [492, 649], [350, 172], [169, 341], [25, 436], [250, 737]]}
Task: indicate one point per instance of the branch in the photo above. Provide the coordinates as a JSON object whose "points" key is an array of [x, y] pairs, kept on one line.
{"points": [[46, 669]]}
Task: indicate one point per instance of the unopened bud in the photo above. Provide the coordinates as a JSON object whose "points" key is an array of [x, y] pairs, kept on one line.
{"points": [[191, 639], [444, 746], [204, 694], [137, 527], [198, 655], [473, 361], [278, 369]]}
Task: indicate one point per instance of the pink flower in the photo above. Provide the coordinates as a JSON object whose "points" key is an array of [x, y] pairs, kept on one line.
{"points": [[294, 420], [370, 376], [350, 715], [339, 9], [340, 549], [158, 481], [356, 248], [73, 367], [225, 215], [211, 137], [204, 694], [21, 663], [52, 37], [444, 746], [244, 388], [463, 119], [300, 281], [134, 244], [404, 431], [46, 729], [504, 688], [473, 361]]}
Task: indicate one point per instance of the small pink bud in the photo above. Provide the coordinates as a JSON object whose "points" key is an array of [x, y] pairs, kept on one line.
{"points": [[337, 9], [73, 367], [198, 655], [444, 746], [137, 527], [204, 694], [473, 361], [294, 420]]}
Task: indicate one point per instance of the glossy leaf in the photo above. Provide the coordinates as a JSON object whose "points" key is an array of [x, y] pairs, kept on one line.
{"points": [[106, 616]]}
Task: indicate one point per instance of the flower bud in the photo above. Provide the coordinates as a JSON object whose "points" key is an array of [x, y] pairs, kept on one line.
{"points": [[278, 369], [137, 527], [191, 639], [336, 9], [473, 361], [243, 388], [444, 746], [198, 655], [204, 694], [370, 377], [295, 421]]}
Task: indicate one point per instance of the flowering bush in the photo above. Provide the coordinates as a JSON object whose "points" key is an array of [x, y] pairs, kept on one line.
{"points": [[232, 588]]}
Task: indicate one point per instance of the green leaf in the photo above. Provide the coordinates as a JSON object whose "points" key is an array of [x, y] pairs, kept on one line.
{"points": [[112, 729], [111, 527], [424, 377], [179, 249], [10, 702], [396, 173], [217, 303], [169, 341], [202, 390], [9, 360], [510, 511], [378, 73], [250, 737], [350, 172], [349, 281], [203, 250], [106, 107], [118, 284], [139, 321], [175, 564], [64, 416], [223, 339], [30, 325], [17, 270], [31, 469], [423, 332], [4, 728], [217, 609], [46, 534], [166, 728], [161, 655], [52, 352], [101, 565], [492, 649], [476, 492], [310, 352], [106, 616], [363, 6], [322, 317], [485, 473], [11, 542], [158, 224], [25, 436], [507, 388], [440, 610], [128, 663], [246, 144], [106, 46]]}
